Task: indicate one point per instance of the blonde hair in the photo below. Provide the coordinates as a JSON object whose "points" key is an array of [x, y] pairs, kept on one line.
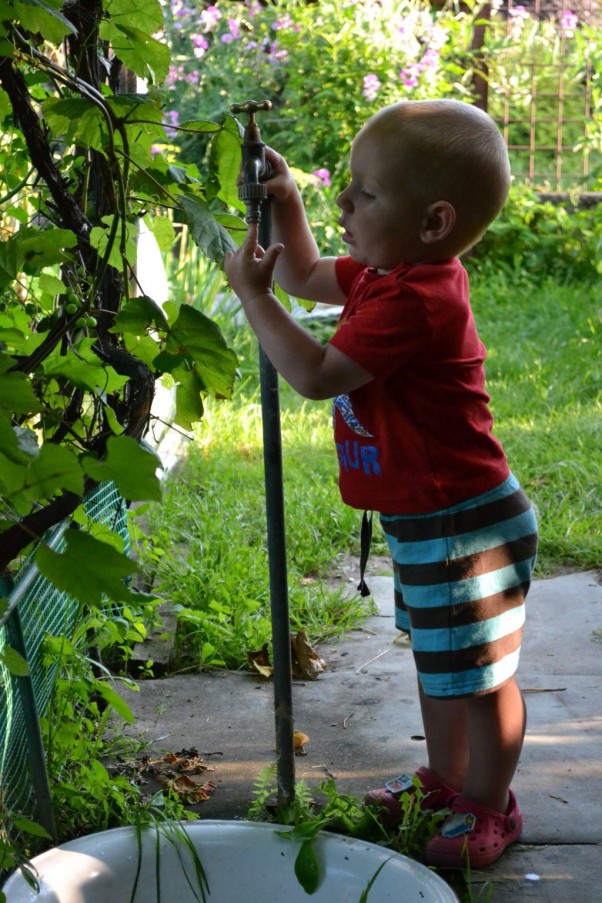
{"points": [[451, 151]]}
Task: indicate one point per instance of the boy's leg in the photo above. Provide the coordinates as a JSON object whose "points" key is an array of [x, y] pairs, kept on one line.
{"points": [[474, 743], [446, 733], [496, 728]]}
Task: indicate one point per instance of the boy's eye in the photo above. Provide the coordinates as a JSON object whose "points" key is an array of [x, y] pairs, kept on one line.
{"points": [[367, 194]]}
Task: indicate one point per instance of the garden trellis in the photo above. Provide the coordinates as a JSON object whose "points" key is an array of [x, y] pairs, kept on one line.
{"points": [[541, 88]]}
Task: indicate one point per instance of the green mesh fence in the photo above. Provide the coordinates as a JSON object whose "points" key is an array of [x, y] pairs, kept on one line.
{"points": [[42, 610]]}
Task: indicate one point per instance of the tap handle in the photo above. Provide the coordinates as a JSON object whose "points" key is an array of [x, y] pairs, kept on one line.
{"points": [[251, 107]]}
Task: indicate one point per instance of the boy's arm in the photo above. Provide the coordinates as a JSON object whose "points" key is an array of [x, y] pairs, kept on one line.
{"points": [[300, 270], [314, 370]]}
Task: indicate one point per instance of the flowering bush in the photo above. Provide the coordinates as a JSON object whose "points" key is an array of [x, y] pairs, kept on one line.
{"points": [[327, 66]]}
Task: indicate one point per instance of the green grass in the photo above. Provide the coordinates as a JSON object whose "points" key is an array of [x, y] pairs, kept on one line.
{"points": [[208, 537]]}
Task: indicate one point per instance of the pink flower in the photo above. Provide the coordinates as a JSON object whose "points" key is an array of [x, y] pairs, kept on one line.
{"points": [[371, 86], [200, 44], [175, 74], [210, 17], [276, 55], [409, 77], [170, 121], [568, 23], [322, 177], [253, 8], [285, 22]]}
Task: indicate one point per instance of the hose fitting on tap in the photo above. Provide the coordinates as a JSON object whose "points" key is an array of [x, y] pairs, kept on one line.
{"points": [[251, 190]]}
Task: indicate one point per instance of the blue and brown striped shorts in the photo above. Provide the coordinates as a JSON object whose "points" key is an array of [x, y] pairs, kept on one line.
{"points": [[461, 578]]}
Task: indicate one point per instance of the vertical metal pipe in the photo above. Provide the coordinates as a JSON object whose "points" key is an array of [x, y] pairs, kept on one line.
{"points": [[257, 202], [276, 535]]}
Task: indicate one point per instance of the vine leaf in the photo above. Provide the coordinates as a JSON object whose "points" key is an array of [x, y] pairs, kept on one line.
{"points": [[13, 662], [43, 17], [211, 237], [16, 394], [189, 401], [137, 50], [196, 339], [130, 466], [55, 468], [89, 570], [83, 369]]}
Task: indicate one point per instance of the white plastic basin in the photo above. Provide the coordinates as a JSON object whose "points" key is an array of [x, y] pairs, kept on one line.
{"points": [[244, 862]]}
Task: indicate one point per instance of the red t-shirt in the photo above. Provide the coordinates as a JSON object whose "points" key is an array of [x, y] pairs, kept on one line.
{"points": [[418, 437]]}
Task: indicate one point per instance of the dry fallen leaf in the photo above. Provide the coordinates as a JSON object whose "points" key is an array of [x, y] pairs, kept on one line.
{"points": [[260, 661], [307, 665]]}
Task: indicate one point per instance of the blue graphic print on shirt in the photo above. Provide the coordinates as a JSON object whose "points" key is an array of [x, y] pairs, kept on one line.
{"points": [[354, 454]]}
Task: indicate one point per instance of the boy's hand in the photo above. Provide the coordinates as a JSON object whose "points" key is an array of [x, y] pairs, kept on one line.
{"points": [[280, 186], [250, 269]]}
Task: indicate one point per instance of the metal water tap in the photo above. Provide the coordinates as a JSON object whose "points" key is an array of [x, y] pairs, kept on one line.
{"points": [[254, 166]]}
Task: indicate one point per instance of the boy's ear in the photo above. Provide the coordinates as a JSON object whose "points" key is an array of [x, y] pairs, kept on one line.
{"points": [[439, 220]]}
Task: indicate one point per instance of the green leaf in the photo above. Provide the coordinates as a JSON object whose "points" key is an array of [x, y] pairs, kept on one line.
{"points": [[17, 395], [131, 467], [189, 402], [138, 314], [78, 120], [28, 826], [368, 887], [163, 230], [206, 232], [115, 701], [88, 570], [147, 14], [14, 662], [99, 239], [37, 248], [142, 119], [200, 340], [53, 470], [137, 50], [307, 869], [51, 284], [224, 163], [41, 17], [83, 368]]}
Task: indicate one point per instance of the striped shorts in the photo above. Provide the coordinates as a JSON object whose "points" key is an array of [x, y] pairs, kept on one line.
{"points": [[461, 578]]}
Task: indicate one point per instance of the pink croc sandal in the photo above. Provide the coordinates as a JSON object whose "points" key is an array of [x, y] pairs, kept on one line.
{"points": [[474, 835], [387, 799]]}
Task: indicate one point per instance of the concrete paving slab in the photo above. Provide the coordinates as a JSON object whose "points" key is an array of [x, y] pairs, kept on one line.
{"points": [[363, 720]]}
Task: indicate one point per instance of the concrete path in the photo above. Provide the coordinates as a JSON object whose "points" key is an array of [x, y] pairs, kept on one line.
{"points": [[363, 721]]}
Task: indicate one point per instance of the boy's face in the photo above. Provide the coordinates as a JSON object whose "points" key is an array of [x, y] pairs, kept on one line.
{"points": [[382, 221]]}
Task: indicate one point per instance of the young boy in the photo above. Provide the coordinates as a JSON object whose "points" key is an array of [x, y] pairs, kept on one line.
{"points": [[414, 435]]}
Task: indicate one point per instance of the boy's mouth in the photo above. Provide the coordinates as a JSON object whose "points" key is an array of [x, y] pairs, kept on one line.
{"points": [[346, 236]]}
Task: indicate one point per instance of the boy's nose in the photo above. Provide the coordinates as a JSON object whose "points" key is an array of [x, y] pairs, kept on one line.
{"points": [[342, 200]]}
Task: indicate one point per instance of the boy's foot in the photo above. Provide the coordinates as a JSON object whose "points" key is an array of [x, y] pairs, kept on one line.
{"points": [[474, 835], [387, 799]]}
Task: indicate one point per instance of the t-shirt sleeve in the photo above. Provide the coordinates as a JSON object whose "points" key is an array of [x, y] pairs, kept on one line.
{"points": [[346, 270], [384, 332]]}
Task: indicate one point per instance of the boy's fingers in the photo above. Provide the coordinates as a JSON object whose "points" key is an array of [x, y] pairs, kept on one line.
{"points": [[272, 253], [252, 233]]}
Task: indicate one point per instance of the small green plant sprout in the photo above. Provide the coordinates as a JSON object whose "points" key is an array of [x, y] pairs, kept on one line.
{"points": [[15, 825], [156, 817]]}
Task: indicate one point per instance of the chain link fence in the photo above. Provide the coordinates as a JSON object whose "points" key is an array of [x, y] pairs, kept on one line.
{"points": [[37, 609]]}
